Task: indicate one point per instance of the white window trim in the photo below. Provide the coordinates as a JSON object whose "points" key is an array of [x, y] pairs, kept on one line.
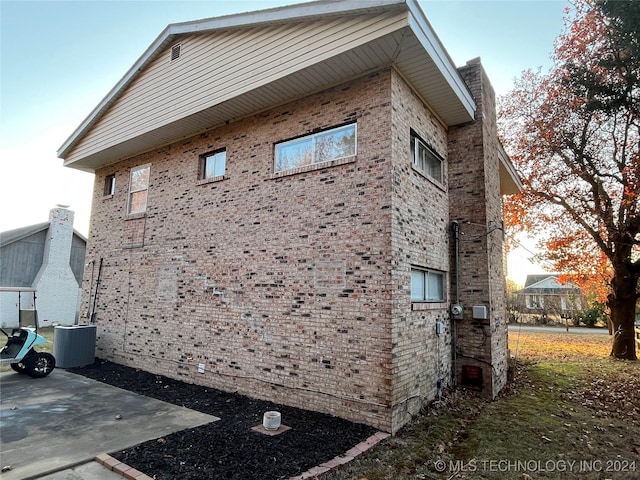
{"points": [[130, 191], [415, 138], [425, 296]]}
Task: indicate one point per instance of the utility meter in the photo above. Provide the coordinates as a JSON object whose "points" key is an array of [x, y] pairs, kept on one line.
{"points": [[457, 311]]}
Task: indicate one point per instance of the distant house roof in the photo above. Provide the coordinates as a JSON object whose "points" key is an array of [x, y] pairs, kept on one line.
{"points": [[547, 284], [22, 253], [271, 57], [10, 236], [17, 234]]}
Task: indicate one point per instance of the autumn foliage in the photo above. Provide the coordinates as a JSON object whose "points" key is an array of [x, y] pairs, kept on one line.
{"points": [[574, 135]]}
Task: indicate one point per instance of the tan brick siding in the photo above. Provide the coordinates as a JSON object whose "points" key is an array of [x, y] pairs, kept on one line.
{"points": [[295, 286]]}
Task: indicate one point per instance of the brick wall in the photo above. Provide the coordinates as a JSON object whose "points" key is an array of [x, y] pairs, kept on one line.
{"points": [[420, 238], [475, 202], [279, 284], [295, 286]]}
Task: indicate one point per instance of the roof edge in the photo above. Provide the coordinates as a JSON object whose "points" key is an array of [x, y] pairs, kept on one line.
{"points": [[300, 11]]}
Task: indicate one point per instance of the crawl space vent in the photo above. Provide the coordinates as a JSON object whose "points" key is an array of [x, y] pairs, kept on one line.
{"points": [[175, 51]]}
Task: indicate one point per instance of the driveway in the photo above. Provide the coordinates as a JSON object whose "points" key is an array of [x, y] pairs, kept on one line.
{"points": [[53, 423]]}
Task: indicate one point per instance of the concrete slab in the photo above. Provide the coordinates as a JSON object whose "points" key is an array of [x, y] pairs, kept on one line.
{"points": [[64, 420], [87, 471]]}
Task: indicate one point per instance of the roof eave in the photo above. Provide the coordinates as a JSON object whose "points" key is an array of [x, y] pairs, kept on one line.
{"points": [[417, 21]]}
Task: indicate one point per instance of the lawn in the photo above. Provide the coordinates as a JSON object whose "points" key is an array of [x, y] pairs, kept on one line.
{"points": [[570, 412]]}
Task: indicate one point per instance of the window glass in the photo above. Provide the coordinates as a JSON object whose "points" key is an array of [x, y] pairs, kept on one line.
{"points": [[417, 285], [320, 147], [214, 164], [138, 188], [109, 185], [427, 285], [435, 291], [425, 159]]}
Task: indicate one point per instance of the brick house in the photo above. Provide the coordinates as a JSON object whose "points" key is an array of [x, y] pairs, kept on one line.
{"points": [[287, 203], [543, 294]]}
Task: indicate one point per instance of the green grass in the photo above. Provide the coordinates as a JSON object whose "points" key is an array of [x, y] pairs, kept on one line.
{"points": [[571, 412]]}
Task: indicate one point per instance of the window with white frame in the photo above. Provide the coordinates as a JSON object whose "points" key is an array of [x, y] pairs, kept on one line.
{"points": [[138, 189], [213, 164], [319, 147], [427, 285], [425, 158]]}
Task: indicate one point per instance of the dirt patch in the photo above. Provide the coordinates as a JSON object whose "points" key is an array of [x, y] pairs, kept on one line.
{"points": [[227, 449]]}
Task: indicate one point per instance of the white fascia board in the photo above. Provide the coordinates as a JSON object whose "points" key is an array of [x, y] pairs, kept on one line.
{"points": [[431, 43]]}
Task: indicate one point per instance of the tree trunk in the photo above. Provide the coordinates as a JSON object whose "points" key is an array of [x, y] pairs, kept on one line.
{"points": [[622, 305]]}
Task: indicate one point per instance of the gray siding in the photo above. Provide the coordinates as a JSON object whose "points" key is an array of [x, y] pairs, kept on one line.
{"points": [[20, 261]]}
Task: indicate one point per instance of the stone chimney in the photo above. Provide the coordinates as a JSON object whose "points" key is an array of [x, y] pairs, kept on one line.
{"points": [[57, 288]]}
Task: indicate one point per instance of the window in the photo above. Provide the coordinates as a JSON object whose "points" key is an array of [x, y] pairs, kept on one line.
{"points": [[427, 285], [138, 188], [535, 301], [213, 164], [316, 148], [425, 159], [109, 185]]}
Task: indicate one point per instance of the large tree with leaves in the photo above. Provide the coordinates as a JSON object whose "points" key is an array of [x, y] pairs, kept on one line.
{"points": [[574, 135]]}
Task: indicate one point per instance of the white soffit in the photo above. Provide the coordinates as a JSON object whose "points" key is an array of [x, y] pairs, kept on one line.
{"points": [[413, 49]]}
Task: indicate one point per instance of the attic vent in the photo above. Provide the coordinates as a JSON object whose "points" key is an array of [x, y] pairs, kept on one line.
{"points": [[175, 51]]}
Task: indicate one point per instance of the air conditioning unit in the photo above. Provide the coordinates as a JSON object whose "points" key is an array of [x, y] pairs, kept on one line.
{"points": [[74, 346]]}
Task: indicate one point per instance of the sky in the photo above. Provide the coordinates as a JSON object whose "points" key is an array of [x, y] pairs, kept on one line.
{"points": [[59, 59]]}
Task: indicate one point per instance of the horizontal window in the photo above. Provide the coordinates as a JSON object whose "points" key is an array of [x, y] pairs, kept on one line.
{"points": [[320, 147], [427, 285], [425, 159]]}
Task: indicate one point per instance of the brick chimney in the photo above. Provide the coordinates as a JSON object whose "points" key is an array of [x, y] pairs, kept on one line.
{"points": [[57, 289]]}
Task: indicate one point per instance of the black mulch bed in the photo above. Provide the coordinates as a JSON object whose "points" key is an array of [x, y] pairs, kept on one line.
{"points": [[227, 449]]}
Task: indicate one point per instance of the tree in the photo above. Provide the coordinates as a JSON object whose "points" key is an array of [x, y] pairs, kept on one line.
{"points": [[574, 135]]}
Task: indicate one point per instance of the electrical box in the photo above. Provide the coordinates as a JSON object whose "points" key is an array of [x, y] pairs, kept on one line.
{"points": [[439, 328], [480, 312]]}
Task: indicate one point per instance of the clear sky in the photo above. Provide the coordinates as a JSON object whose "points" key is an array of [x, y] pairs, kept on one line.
{"points": [[60, 58]]}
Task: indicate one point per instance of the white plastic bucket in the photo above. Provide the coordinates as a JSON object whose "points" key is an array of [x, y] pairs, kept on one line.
{"points": [[271, 420]]}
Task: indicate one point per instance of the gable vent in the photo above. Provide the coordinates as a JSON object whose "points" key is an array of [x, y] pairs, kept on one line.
{"points": [[175, 51]]}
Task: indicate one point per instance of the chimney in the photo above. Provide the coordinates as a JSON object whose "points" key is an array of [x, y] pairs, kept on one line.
{"points": [[57, 288]]}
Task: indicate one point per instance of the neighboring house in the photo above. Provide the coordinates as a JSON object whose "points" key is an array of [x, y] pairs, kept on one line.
{"points": [[545, 295], [287, 204], [49, 257]]}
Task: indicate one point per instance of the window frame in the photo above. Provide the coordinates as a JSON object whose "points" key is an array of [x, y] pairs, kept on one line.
{"points": [[145, 189], [313, 137], [202, 167], [426, 274], [109, 185], [415, 141]]}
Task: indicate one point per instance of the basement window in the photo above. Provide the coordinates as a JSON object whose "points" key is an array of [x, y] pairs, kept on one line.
{"points": [[427, 285], [138, 189], [326, 146], [425, 159]]}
